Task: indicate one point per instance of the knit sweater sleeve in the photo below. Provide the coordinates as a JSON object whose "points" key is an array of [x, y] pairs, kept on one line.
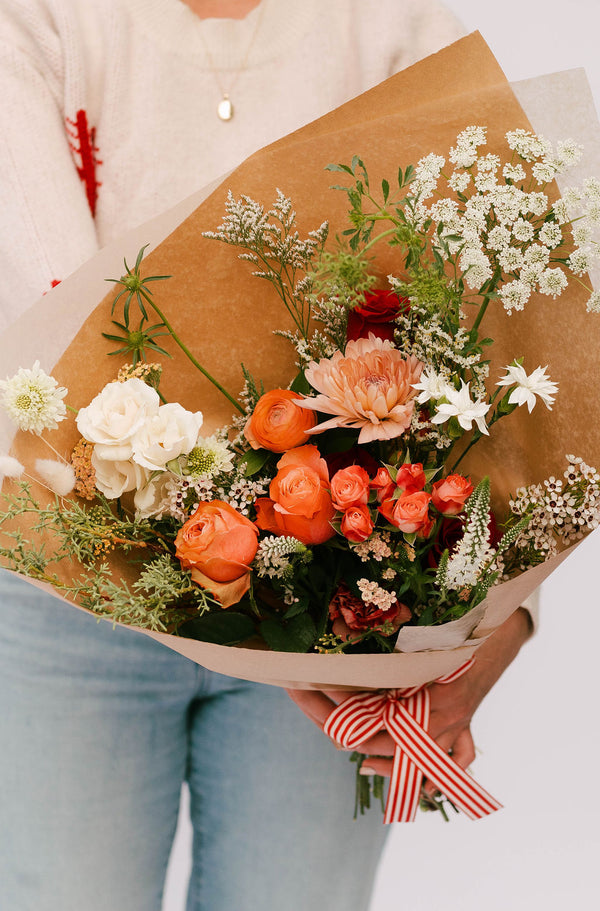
{"points": [[46, 228]]}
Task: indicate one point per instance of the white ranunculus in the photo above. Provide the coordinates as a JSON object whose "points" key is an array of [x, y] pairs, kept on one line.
{"points": [[115, 415], [114, 478], [171, 432]]}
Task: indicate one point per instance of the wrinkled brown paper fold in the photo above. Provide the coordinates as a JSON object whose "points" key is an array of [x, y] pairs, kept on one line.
{"points": [[227, 318]]}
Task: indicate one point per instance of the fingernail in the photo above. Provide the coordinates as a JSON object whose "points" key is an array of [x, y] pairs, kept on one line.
{"points": [[367, 770]]}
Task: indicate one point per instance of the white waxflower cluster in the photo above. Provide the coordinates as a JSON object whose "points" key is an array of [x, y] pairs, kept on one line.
{"points": [[242, 492], [372, 593], [497, 226], [182, 495], [562, 509], [273, 556], [377, 548], [33, 400]]}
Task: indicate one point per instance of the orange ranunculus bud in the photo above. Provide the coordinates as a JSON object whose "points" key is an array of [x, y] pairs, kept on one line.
{"points": [[278, 423], [218, 545]]}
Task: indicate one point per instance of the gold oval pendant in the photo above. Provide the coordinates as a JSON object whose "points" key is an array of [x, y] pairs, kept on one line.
{"points": [[225, 109]]}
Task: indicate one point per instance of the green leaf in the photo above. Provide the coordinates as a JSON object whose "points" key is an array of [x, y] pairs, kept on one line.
{"points": [[385, 188], [298, 635], [255, 459], [301, 384], [222, 628]]}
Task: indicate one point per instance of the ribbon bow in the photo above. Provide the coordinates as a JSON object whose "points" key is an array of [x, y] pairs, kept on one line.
{"points": [[404, 714]]}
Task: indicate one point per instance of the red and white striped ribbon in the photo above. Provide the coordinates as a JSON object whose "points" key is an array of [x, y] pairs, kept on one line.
{"points": [[404, 714]]}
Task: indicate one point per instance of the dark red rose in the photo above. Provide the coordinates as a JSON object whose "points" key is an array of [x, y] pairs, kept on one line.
{"points": [[358, 455], [450, 533], [351, 615], [376, 315]]}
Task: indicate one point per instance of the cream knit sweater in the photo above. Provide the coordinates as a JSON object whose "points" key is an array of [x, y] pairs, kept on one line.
{"points": [[108, 115]]}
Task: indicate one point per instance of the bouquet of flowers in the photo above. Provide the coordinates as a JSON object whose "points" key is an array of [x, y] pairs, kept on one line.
{"points": [[332, 512], [365, 499]]}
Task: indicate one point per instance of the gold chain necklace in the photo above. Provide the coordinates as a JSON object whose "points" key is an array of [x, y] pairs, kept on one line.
{"points": [[225, 109]]}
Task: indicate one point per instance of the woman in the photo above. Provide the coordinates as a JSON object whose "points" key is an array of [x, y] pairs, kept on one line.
{"points": [[113, 112]]}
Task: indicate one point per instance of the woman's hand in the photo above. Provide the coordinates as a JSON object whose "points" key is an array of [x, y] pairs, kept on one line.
{"points": [[452, 704]]}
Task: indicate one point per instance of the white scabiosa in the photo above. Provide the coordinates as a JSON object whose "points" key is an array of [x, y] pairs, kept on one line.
{"points": [[33, 400]]}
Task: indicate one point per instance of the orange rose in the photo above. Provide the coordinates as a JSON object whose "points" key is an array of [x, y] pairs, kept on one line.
{"points": [[409, 513], [218, 544], [357, 523], [411, 478], [300, 504], [382, 483], [278, 423], [450, 494], [350, 487]]}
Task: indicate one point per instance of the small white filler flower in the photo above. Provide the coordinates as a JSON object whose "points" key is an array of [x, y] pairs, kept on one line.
{"points": [[528, 387], [33, 400]]}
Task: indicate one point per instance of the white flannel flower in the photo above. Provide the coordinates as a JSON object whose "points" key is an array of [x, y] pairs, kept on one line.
{"points": [[552, 282], [432, 386], [528, 387], [33, 400], [463, 408]]}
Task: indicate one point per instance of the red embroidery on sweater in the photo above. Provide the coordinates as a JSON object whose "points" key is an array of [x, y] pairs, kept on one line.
{"points": [[82, 141], [53, 284]]}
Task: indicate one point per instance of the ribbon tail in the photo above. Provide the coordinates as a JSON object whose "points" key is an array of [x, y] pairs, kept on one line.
{"points": [[438, 767]]}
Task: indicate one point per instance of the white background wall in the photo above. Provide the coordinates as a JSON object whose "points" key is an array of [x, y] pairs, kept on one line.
{"points": [[538, 732]]}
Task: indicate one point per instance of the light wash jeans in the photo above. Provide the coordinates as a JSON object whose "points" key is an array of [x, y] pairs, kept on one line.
{"points": [[98, 729]]}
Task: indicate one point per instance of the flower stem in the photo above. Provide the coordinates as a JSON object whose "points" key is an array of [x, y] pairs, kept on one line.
{"points": [[189, 354]]}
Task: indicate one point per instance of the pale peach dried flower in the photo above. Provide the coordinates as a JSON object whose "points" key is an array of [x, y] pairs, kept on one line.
{"points": [[369, 387]]}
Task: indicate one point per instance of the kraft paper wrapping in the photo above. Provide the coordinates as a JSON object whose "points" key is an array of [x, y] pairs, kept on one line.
{"points": [[227, 317]]}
